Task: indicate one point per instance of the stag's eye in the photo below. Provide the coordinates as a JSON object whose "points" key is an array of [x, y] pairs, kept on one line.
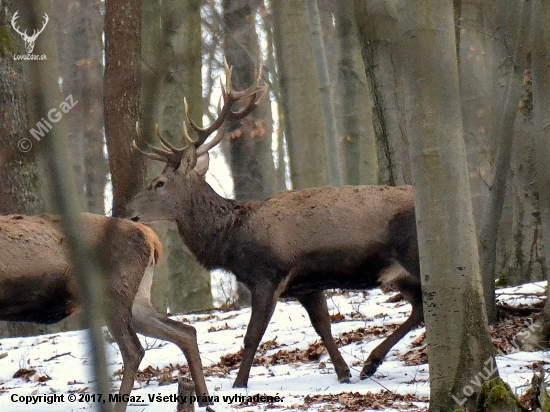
{"points": [[159, 184]]}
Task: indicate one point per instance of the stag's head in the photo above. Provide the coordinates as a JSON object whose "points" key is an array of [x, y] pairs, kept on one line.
{"points": [[185, 168], [29, 40]]}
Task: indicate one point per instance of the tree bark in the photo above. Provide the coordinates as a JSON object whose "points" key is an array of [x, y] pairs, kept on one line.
{"points": [[300, 101], [377, 23], [358, 141], [171, 72], [249, 140], [325, 91], [80, 48], [459, 347], [512, 20], [121, 92]]}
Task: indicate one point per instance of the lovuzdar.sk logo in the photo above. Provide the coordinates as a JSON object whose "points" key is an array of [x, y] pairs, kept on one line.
{"points": [[28, 39]]}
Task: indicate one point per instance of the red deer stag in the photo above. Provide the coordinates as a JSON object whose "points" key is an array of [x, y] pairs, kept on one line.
{"points": [[36, 285], [294, 244]]}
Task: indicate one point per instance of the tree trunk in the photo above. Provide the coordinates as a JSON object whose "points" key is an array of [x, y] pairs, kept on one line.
{"points": [[170, 73], [459, 347], [476, 92], [325, 91], [511, 20], [540, 24], [360, 165], [300, 101], [377, 23], [249, 140], [19, 178], [121, 91], [80, 48], [86, 264]]}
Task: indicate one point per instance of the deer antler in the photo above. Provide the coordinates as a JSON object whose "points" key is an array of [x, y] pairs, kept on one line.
{"points": [[229, 97], [169, 154], [173, 155]]}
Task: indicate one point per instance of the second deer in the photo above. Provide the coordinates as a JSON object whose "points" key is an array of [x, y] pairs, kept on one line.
{"points": [[37, 285]]}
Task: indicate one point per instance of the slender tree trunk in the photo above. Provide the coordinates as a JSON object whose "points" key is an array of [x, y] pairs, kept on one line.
{"points": [[250, 156], [281, 161], [476, 92], [459, 346], [300, 101], [377, 24], [86, 266], [79, 42], [325, 89], [121, 91], [504, 129], [171, 72], [360, 165], [540, 24], [190, 287]]}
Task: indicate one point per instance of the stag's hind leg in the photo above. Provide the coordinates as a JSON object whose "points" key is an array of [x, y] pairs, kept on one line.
{"points": [[316, 306], [147, 321], [409, 287]]}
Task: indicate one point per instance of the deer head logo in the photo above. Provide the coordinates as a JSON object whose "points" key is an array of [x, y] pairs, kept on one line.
{"points": [[29, 40]]}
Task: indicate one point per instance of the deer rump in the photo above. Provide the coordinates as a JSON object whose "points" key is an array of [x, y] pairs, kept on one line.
{"points": [[37, 285]]}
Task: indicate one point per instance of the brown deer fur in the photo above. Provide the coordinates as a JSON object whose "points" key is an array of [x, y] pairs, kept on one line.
{"points": [[37, 284], [295, 243]]}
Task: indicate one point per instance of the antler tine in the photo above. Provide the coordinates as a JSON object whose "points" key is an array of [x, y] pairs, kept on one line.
{"points": [[166, 144], [186, 136], [152, 156], [229, 97], [171, 157], [251, 105]]}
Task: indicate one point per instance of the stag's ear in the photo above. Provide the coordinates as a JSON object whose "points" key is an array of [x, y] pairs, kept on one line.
{"points": [[203, 162], [188, 160]]}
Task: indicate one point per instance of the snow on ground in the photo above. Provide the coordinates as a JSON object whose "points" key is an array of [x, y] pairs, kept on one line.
{"points": [[64, 358]]}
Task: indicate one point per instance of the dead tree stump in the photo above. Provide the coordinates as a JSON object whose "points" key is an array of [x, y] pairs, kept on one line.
{"points": [[186, 389]]}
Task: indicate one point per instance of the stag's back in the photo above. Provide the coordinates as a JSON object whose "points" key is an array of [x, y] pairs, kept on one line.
{"points": [[330, 218]]}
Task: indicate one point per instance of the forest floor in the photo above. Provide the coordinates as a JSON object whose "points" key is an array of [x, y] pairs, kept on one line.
{"points": [[292, 371]]}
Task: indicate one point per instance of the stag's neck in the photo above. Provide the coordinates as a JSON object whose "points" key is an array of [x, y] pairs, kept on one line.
{"points": [[208, 224]]}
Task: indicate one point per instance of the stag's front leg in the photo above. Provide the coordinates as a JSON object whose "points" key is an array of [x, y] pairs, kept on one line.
{"points": [[264, 299], [316, 307]]}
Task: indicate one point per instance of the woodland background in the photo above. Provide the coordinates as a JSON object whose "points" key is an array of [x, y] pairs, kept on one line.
{"points": [[339, 83]]}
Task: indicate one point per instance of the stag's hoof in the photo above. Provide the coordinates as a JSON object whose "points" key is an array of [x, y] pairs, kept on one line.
{"points": [[238, 384], [369, 368], [344, 377]]}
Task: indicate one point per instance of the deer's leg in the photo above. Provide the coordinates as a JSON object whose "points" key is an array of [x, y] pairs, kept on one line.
{"points": [[264, 299], [316, 306], [409, 286], [147, 321], [132, 353]]}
